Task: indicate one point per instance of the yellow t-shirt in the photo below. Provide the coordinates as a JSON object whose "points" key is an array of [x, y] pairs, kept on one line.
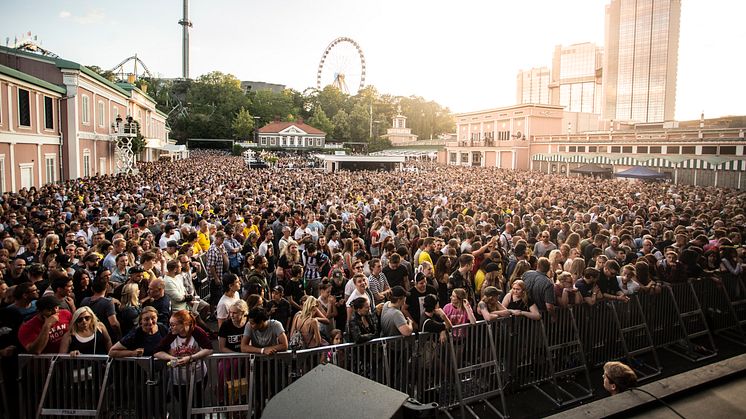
{"points": [[478, 279], [203, 240], [425, 257]]}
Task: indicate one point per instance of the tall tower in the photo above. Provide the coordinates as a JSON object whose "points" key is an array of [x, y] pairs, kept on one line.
{"points": [[641, 50], [185, 24], [576, 78]]}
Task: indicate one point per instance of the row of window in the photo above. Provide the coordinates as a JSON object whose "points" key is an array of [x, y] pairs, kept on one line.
{"points": [[24, 110], [288, 141], [671, 149], [27, 172]]}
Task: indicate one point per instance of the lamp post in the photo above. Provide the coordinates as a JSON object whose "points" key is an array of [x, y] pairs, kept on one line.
{"points": [[124, 133]]}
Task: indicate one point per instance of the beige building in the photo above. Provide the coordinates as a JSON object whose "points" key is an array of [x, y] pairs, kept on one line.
{"points": [[290, 135], [576, 78], [532, 86], [399, 134], [542, 138], [640, 60]]}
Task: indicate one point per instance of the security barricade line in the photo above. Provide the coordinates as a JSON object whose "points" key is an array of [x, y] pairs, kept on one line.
{"points": [[600, 333], [718, 306], [136, 388], [700, 343], [636, 339], [475, 367], [568, 359]]}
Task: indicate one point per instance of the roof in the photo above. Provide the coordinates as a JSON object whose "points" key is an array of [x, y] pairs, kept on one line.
{"points": [[130, 87], [31, 79], [68, 65], [639, 172], [275, 127], [358, 158]]}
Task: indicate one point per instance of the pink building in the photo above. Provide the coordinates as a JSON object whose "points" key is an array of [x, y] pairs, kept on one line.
{"points": [[29, 130], [86, 108]]}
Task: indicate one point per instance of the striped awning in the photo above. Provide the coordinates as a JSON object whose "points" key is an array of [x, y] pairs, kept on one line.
{"points": [[657, 162], [733, 165], [627, 161], [695, 164]]}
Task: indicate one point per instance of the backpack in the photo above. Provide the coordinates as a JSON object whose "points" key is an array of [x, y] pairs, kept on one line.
{"points": [[297, 342]]}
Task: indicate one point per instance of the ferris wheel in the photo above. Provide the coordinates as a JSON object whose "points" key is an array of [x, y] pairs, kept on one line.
{"points": [[342, 65]]}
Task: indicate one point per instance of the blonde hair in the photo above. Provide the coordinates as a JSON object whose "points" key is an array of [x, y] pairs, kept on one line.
{"points": [[130, 295], [577, 267], [522, 284], [74, 326], [309, 307]]}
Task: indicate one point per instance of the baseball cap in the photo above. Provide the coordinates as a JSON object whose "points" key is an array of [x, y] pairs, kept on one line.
{"points": [[135, 270], [279, 288]]}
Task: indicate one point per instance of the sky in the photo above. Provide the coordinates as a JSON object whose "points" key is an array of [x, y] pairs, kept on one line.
{"points": [[464, 55]]}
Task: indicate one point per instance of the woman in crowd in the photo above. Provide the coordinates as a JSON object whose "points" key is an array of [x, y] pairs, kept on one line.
{"points": [[363, 323], [307, 325], [85, 335], [565, 292], [81, 286], [489, 307], [130, 308], [231, 331], [519, 303], [142, 340]]}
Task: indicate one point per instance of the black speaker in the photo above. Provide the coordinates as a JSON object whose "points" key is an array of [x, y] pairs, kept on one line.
{"points": [[332, 392]]}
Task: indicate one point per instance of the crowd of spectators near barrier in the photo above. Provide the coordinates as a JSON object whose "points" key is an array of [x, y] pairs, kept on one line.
{"points": [[300, 258]]}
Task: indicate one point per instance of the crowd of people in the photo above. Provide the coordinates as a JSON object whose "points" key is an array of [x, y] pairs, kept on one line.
{"points": [[300, 258]]}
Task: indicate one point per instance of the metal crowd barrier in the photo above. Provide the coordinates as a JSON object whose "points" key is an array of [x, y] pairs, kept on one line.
{"points": [[724, 303], [638, 343], [203, 280], [477, 363], [476, 373], [571, 379]]}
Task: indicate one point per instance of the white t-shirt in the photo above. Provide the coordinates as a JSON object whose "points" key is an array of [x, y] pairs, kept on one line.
{"points": [[224, 304]]}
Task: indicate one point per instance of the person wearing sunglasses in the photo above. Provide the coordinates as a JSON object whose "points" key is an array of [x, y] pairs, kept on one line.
{"points": [[86, 335]]}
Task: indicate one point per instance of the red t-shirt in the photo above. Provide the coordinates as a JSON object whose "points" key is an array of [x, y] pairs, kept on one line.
{"points": [[30, 331]]}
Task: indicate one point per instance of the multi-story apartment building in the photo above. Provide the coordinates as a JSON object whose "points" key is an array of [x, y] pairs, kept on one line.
{"points": [[576, 78], [532, 86]]}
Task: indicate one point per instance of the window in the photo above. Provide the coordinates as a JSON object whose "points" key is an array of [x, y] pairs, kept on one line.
{"points": [[318, 142], [592, 149], [655, 150], [464, 157], [572, 149], [689, 150], [641, 149], [86, 163], [627, 149], [102, 165], [85, 116], [263, 140], [100, 114], [2, 173], [728, 149], [561, 149], [453, 158], [24, 108], [581, 149], [615, 149], [27, 175], [50, 168], [48, 113], [602, 149], [672, 149], [709, 149]]}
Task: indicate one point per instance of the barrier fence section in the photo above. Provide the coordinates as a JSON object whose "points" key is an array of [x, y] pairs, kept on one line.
{"points": [[475, 363]]}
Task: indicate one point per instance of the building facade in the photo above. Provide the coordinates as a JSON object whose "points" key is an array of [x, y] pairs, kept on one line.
{"points": [[640, 60], [532, 86], [290, 135], [399, 134], [576, 78], [86, 109], [533, 137], [30, 144]]}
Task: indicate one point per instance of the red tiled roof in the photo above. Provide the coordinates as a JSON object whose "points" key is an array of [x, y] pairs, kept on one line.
{"points": [[274, 127]]}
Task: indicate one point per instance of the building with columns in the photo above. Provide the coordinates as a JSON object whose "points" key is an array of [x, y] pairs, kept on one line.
{"points": [[705, 152], [290, 135], [84, 106]]}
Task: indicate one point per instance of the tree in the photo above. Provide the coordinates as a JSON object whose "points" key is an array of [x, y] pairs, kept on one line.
{"points": [[268, 105], [332, 100], [322, 122], [341, 122], [243, 125], [107, 74], [360, 123]]}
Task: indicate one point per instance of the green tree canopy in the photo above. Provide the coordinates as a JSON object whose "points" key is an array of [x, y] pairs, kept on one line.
{"points": [[243, 125]]}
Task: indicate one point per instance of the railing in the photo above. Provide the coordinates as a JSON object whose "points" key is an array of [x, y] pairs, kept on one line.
{"points": [[481, 363]]}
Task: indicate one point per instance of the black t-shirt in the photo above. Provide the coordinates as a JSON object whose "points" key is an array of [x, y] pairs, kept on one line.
{"points": [[585, 289], [294, 289], [282, 311], [232, 335], [415, 299], [608, 285], [395, 276], [137, 338], [432, 325]]}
